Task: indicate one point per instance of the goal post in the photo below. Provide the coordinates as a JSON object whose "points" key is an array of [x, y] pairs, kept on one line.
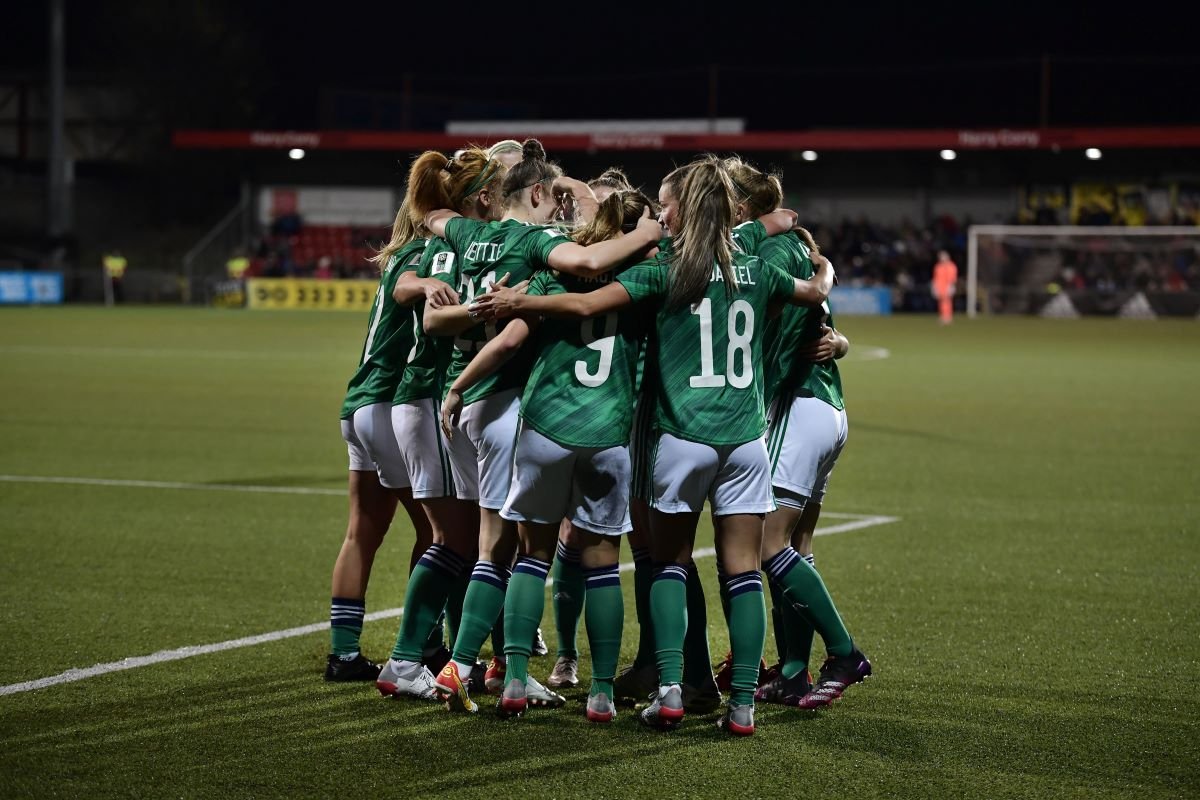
{"points": [[1073, 270]]}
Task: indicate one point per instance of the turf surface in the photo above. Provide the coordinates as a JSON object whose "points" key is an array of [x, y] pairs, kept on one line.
{"points": [[1032, 616]]}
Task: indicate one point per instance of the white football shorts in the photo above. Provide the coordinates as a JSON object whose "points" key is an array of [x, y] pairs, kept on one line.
{"points": [[418, 426], [481, 452], [805, 437], [734, 479], [588, 485], [372, 445]]}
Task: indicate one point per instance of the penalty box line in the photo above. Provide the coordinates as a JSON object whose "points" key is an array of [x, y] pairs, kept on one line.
{"points": [[854, 522]]}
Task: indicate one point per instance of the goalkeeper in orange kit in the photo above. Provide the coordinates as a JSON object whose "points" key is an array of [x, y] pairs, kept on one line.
{"points": [[945, 276]]}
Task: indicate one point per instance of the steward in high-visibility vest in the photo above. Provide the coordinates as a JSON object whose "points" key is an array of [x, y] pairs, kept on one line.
{"points": [[114, 266], [236, 267]]}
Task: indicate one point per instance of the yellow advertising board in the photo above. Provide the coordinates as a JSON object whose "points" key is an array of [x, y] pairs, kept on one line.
{"points": [[310, 293]]}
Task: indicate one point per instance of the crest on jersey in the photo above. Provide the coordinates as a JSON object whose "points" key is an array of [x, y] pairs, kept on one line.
{"points": [[442, 264]]}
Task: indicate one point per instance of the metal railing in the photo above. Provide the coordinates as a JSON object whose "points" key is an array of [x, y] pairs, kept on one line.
{"points": [[206, 259]]}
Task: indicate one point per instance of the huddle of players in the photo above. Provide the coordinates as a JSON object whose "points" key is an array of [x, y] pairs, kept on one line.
{"points": [[558, 364]]}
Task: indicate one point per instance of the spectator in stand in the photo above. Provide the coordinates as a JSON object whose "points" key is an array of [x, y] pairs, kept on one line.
{"points": [[287, 224], [273, 266], [324, 270], [945, 277]]}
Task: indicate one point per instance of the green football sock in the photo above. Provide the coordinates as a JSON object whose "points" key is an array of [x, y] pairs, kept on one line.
{"points": [[424, 599], [498, 638], [605, 612], [723, 590], [345, 624], [799, 635], [643, 577], [697, 660], [747, 633], [437, 634], [523, 607], [481, 607], [668, 607], [803, 588], [568, 589], [778, 628], [454, 607]]}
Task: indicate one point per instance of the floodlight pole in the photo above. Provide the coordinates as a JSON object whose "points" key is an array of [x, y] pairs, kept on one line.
{"points": [[712, 98], [58, 200], [1044, 115], [972, 269]]}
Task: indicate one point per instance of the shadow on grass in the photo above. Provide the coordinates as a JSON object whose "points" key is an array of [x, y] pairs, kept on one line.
{"points": [[301, 480], [908, 433], [276, 728]]}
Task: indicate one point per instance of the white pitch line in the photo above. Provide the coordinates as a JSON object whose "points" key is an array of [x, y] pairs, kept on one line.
{"points": [[858, 352], [858, 522], [867, 352], [151, 352], [215, 487]]}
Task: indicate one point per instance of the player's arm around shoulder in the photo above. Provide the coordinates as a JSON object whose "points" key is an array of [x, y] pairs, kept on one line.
{"points": [[437, 221], [505, 303], [409, 288], [598, 258], [815, 290], [829, 346]]}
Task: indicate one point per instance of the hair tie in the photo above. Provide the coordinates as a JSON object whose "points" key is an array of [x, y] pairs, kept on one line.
{"points": [[486, 174]]}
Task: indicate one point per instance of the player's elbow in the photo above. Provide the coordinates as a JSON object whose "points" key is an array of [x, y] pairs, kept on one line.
{"points": [[584, 265], [435, 324], [811, 295], [508, 346], [586, 305], [405, 295]]}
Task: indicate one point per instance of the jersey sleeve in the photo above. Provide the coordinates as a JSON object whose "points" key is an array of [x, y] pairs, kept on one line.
{"points": [[544, 241], [440, 262], [789, 253], [410, 264], [645, 280], [780, 285], [544, 283], [749, 236], [459, 231]]}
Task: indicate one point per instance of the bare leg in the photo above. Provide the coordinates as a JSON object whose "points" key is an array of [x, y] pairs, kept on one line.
{"points": [[371, 510]]}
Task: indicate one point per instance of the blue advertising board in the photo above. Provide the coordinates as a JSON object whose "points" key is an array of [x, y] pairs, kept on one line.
{"points": [[31, 288], [868, 300]]}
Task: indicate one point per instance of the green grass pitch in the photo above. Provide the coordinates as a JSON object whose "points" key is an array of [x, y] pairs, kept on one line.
{"points": [[1032, 616]]}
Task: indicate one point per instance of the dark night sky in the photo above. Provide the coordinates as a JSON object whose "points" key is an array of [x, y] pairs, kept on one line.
{"points": [[843, 64]]}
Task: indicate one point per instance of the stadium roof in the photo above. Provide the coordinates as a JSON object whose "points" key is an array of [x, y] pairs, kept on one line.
{"points": [[225, 64]]}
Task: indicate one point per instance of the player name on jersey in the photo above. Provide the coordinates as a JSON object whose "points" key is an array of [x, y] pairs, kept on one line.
{"points": [[741, 274], [485, 252]]}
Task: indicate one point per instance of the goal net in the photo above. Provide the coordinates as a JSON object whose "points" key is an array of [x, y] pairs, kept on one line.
{"points": [[1071, 271]]}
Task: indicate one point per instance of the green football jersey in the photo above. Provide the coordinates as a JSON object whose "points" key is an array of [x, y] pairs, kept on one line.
{"points": [[486, 252], [581, 389], [797, 325], [423, 377], [390, 338], [708, 357]]}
